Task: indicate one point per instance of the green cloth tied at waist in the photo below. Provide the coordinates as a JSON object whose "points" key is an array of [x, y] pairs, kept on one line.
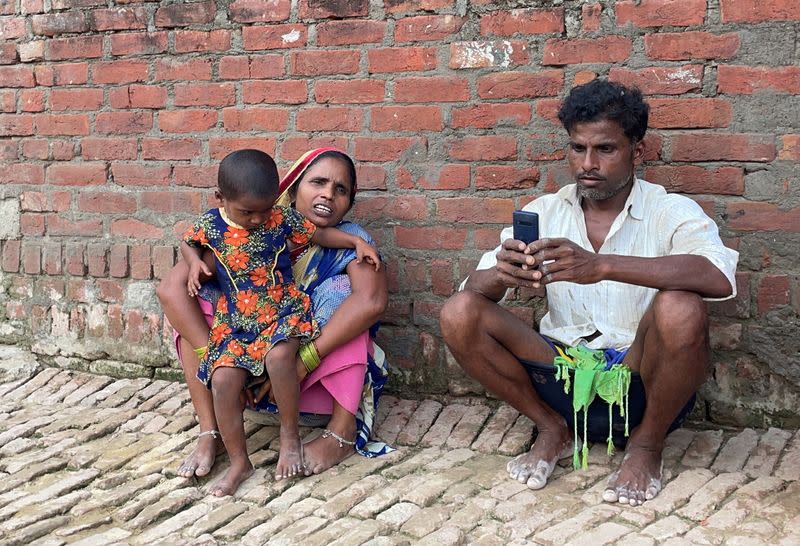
{"points": [[590, 379]]}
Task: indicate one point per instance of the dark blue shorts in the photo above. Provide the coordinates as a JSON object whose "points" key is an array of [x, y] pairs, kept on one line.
{"points": [[551, 391]]}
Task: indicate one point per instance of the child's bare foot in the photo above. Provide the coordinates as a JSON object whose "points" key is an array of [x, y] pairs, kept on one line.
{"points": [[328, 450], [290, 456], [239, 471], [202, 457]]}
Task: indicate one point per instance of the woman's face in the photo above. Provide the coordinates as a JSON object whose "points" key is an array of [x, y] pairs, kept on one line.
{"points": [[323, 194]]}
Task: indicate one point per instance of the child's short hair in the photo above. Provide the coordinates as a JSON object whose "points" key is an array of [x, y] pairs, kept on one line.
{"points": [[247, 172]]}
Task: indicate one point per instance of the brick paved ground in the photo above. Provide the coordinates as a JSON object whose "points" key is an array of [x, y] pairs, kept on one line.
{"points": [[89, 460]]}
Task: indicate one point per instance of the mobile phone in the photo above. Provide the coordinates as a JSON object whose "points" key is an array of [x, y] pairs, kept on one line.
{"points": [[526, 226]]}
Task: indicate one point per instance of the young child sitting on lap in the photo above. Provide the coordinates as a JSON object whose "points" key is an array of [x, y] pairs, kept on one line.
{"points": [[261, 316]]}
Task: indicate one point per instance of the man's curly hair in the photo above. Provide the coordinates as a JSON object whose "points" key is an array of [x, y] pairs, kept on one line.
{"points": [[601, 99]]}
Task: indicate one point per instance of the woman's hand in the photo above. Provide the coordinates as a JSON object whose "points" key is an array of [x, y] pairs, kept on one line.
{"points": [[368, 253]]}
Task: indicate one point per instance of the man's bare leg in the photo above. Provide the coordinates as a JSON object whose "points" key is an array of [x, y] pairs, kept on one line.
{"points": [[671, 353], [486, 340]]}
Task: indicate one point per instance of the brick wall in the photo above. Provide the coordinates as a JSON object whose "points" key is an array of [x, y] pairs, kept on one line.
{"points": [[115, 114]]}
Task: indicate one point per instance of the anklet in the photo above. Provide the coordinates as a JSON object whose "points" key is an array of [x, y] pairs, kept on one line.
{"points": [[326, 433], [211, 432]]}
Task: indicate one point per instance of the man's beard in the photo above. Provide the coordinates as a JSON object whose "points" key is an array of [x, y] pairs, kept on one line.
{"points": [[601, 194]]}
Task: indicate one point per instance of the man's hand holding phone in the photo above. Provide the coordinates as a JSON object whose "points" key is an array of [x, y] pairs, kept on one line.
{"points": [[516, 265]]}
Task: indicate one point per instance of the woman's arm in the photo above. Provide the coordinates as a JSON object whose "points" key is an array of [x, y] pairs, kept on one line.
{"points": [[182, 310]]}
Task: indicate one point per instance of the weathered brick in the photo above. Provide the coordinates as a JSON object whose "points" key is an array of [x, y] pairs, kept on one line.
{"points": [[671, 46], [523, 21], [608, 49], [488, 54]]}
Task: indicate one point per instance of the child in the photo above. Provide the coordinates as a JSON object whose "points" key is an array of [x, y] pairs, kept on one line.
{"points": [[261, 315]]}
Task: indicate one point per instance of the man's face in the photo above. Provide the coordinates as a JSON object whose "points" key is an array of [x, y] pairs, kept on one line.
{"points": [[602, 159]]}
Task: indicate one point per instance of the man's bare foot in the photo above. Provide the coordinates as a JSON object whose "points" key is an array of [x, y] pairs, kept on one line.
{"points": [[328, 450], [534, 467], [638, 478], [290, 456], [202, 457], [239, 471]]}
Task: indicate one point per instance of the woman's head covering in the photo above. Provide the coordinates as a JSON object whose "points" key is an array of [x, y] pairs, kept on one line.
{"points": [[299, 168]]}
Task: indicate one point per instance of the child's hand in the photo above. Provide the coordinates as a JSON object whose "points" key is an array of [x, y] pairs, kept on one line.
{"points": [[366, 252], [196, 267]]}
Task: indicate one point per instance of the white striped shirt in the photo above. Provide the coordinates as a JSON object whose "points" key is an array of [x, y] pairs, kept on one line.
{"points": [[653, 223]]}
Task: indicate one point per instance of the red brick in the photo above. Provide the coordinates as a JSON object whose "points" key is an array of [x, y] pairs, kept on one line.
{"points": [[135, 229], [81, 228], [83, 47], [255, 119], [138, 96], [243, 67], [106, 202], [427, 28], [17, 76], [545, 147], [8, 53], [141, 267], [399, 207], [109, 148], [275, 92], [31, 224], [13, 27], [96, 260], [220, 147], [8, 100], [590, 17], [399, 6], [74, 258], [349, 91], [192, 41], [678, 46], [660, 80], [27, 52], [773, 292], [204, 94], [485, 116], [139, 43], [483, 148], [76, 99], [518, 85], [11, 255], [660, 13], [295, 146], [35, 149], [371, 177], [406, 118], [430, 238], [77, 174], [442, 283], [350, 32], [790, 150], [59, 23], [31, 259], [431, 89], [79, 290], [502, 177], [34, 201], [694, 179], [758, 11], [748, 216], [169, 202], [197, 176], [401, 59], [191, 69], [722, 146], [317, 63], [168, 149], [119, 72], [21, 173], [31, 100], [488, 54], [110, 291], [125, 122], [435, 177], [608, 49], [16, 125], [329, 119], [127, 18], [750, 79], [118, 261], [163, 260], [523, 21], [689, 113], [187, 121], [137, 174], [475, 210], [274, 37], [51, 258], [185, 14], [387, 149], [259, 11], [323, 9], [62, 74]]}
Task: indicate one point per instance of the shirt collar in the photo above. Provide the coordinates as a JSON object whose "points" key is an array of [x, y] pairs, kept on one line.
{"points": [[634, 204]]}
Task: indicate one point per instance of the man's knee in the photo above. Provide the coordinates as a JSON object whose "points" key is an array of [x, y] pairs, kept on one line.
{"points": [[681, 317], [457, 314]]}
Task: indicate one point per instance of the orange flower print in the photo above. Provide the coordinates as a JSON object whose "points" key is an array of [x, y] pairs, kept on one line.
{"points": [[224, 361], [246, 302], [257, 350], [222, 303], [237, 260], [269, 330], [275, 293], [293, 321], [259, 276], [266, 314], [235, 236], [304, 327], [199, 235], [293, 291], [275, 219], [219, 332], [236, 348]]}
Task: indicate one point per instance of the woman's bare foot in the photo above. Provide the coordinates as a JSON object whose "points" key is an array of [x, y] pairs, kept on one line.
{"points": [[290, 456], [638, 478], [202, 457], [534, 467], [327, 450], [238, 472]]}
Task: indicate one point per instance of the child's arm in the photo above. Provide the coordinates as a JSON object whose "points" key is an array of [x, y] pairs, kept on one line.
{"points": [[336, 238], [194, 259]]}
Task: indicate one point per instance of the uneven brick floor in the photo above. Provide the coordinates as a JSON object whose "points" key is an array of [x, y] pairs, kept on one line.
{"points": [[90, 460]]}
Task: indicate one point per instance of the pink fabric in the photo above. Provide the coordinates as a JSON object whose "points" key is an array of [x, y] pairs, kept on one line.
{"points": [[339, 376]]}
